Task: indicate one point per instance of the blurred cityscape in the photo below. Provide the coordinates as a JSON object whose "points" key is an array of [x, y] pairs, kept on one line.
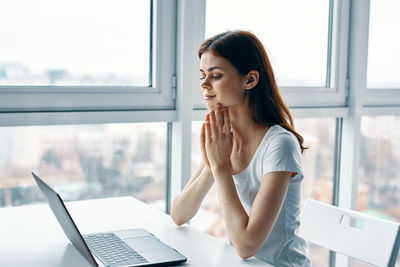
{"points": [[84, 162], [379, 172], [96, 161], [19, 74]]}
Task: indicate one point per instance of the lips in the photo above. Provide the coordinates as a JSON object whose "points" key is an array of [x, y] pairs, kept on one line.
{"points": [[208, 97]]}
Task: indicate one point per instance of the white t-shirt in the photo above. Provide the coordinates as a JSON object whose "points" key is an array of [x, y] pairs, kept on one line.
{"points": [[278, 151]]}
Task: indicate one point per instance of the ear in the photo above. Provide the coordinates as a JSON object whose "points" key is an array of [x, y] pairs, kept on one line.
{"points": [[251, 80]]}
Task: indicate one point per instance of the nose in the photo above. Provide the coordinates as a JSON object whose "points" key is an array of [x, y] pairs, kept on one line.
{"points": [[205, 84]]}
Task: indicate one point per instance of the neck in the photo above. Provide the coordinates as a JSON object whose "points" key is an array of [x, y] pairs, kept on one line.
{"points": [[243, 126]]}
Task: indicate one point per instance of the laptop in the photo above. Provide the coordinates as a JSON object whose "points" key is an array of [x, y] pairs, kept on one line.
{"points": [[133, 247]]}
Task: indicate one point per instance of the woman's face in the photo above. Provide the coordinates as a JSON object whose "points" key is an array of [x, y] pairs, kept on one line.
{"points": [[220, 82]]}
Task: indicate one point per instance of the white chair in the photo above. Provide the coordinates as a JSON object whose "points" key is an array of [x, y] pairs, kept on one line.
{"points": [[375, 242]]}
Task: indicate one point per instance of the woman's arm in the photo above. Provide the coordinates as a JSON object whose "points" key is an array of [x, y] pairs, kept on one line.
{"points": [[186, 204], [248, 233]]}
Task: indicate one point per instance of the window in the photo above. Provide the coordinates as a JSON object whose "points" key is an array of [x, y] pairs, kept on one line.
{"points": [[294, 33], [48, 42], [318, 160], [84, 162], [306, 42], [318, 163], [72, 55], [379, 173], [383, 45]]}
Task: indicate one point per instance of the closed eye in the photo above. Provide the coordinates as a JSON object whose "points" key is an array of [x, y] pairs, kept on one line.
{"points": [[213, 77]]}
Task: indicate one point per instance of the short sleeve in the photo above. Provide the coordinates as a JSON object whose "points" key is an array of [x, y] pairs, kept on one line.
{"points": [[283, 154]]}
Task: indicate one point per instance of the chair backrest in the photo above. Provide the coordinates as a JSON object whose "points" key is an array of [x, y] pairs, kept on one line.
{"points": [[366, 238]]}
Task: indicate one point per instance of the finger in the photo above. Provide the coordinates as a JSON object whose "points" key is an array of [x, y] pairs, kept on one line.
{"points": [[207, 117], [207, 132], [213, 127], [202, 135], [203, 145], [227, 122], [207, 120], [219, 119]]}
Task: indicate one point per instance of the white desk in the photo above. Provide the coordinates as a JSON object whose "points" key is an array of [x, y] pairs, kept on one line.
{"points": [[31, 236]]}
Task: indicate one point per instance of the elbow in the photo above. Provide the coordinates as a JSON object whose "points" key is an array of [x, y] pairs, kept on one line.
{"points": [[246, 253], [247, 250], [249, 241], [175, 215], [178, 221]]}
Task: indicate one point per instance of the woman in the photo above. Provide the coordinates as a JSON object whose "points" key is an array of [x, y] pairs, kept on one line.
{"points": [[250, 151]]}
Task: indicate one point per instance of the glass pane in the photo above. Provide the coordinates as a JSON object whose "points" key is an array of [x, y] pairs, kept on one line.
{"points": [[319, 136], [294, 33], [383, 45], [379, 172], [92, 42], [84, 162], [318, 160]]}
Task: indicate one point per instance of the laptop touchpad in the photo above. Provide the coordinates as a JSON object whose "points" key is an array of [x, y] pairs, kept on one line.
{"points": [[145, 244]]}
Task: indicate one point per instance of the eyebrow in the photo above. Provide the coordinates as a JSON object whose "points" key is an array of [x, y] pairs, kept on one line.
{"points": [[212, 68]]}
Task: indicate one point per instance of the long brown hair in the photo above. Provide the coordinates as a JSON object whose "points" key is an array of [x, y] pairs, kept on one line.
{"points": [[245, 52]]}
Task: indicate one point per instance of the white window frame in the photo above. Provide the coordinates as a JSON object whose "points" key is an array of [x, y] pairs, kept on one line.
{"points": [[90, 98], [362, 102], [377, 96], [332, 96], [180, 30], [336, 94], [381, 96]]}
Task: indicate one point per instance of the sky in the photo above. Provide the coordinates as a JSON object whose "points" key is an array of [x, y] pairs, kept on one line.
{"points": [[81, 36]]}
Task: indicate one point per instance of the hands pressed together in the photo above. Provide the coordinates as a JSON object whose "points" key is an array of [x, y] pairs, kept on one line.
{"points": [[216, 140]]}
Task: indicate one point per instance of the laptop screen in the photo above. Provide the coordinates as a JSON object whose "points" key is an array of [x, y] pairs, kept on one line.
{"points": [[64, 218]]}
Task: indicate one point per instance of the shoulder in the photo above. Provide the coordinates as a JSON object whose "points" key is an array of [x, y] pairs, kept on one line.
{"points": [[282, 153], [280, 139]]}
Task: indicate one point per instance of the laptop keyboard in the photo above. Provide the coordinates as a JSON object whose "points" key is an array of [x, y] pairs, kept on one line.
{"points": [[112, 251]]}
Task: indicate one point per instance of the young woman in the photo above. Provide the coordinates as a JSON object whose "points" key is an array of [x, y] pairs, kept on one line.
{"points": [[250, 151]]}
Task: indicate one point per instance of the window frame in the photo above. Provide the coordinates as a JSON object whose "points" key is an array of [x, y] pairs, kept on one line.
{"points": [[381, 97], [377, 96], [334, 95], [92, 98], [183, 29]]}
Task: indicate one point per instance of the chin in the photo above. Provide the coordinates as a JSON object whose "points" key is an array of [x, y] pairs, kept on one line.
{"points": [[210, 106]]}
